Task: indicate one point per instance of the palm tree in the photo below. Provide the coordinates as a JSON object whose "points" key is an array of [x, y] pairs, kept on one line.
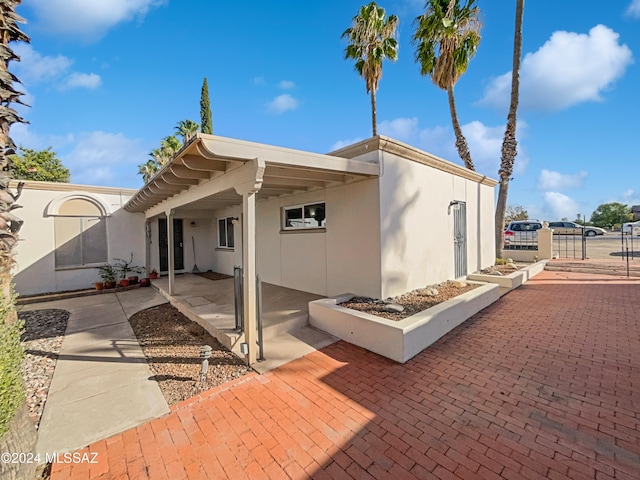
{"points": [[158, 156], [447, 37], [148, 170], [169, 146], [187, 129], [509, 144], [16, 429], [372, 39]]}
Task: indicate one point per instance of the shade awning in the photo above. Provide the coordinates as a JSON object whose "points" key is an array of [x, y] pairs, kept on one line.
{"points": [[208, 158]]}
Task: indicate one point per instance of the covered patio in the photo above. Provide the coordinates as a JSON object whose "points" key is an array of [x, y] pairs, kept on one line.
{"points": [[211, 173], [285, 314]]}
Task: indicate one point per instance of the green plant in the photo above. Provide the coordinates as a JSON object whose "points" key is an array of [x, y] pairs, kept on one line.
{"points": [[124, 267], [11, 353], [108, 273], [501, 261]]}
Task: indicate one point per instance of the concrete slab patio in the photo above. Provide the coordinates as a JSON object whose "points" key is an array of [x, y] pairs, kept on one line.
{"points": [[285, 317], [101, 385], [543, 384]]}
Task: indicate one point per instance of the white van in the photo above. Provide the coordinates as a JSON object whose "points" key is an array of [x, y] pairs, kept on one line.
{"points": [[631, 228]]}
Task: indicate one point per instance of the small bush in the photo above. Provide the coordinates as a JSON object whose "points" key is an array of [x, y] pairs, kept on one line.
{"points": [[11, 354], [501, 261]]}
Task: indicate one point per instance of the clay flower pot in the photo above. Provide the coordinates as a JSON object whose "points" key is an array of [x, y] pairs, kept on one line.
{"points": [[99, 285], [153, 275], [145, 282], [133, 280], [109, 284], [124, 282]]}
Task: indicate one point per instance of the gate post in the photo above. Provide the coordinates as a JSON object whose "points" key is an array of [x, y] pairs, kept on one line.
{"points": [[545, 243]]}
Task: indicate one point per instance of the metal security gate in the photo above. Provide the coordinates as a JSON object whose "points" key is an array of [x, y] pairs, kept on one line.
{"points": [[570, 246], [460, 238]]}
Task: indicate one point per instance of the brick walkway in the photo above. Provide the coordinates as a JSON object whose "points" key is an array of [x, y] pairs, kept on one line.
{"points": [[544, 384]]}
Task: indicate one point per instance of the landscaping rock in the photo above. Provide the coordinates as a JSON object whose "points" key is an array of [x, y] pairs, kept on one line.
{"points": [[511, 265], [429, 292], [496, 273], [393, 308], [459, 284]]}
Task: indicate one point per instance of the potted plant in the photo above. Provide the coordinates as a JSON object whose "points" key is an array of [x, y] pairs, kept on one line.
{"points": [[108, 275], [153, 274], [125, 268], [99, 285]]}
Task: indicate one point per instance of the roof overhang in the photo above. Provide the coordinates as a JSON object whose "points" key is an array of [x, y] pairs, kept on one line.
{"points": [[210, 168]]}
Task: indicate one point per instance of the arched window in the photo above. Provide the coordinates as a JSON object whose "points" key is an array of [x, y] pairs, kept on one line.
{"points": [[80, 223]]}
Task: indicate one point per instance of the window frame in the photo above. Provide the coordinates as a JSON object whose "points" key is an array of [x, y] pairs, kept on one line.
{"points": [[227, 220], [302, 206], [83, 228]]}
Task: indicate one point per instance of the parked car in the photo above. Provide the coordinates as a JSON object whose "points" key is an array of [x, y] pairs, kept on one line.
{"points": [[572, 228], [629, 226], [522, 235]]}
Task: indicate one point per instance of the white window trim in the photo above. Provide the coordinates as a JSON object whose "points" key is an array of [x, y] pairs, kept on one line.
{"points": [[283, 219], [225, 247]]}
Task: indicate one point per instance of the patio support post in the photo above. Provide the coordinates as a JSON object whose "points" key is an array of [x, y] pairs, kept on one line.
{"points": [[249, 191], [171, 252], [249, 269]]}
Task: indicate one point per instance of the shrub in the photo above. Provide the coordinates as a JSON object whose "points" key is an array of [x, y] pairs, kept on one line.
{"points": [[11, 354]]}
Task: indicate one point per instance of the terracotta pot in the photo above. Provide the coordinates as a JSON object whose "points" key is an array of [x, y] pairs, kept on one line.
{"points": [[124, 282], [145, 282], [153, 275], [109, 284], [99, 285], [133, 280]]}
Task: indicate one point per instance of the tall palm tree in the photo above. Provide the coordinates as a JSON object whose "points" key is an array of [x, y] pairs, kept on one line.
{"points": [[447, 38], [16, 429], [372, 38], [187, 129], [148, 170], [509, 144]]}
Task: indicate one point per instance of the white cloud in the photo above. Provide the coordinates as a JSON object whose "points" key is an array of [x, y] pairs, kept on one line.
{"points": [[35, 68], [558, 206], [286, 84], [403, 129], [88, 20], [90, 81], [22, 135], [485, 142], [258, 80], [550, 180], [633, 10], [282, 103], [568, 69], [344, 143], [97, 156]]}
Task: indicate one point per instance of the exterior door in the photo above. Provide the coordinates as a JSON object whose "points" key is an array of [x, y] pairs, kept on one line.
{"points": [[178, 250], [460, 239]]}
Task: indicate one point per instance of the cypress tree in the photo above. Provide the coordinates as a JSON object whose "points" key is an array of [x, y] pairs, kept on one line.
{"points": [[205, 109]]}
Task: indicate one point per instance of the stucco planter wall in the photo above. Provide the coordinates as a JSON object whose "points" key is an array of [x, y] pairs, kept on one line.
{"points": [[402, 340], [513, 280]]}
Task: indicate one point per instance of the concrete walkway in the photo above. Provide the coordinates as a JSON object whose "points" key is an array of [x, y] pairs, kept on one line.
{"points": [[101, 385], [543, 384]]}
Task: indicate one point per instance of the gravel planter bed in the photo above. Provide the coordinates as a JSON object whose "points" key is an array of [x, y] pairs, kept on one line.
{"points": [[413, 302], [42, 340], [171, 342]]}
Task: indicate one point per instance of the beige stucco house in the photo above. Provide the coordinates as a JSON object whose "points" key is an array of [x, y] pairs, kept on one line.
{"points": [[68, 231], [378, 218]]}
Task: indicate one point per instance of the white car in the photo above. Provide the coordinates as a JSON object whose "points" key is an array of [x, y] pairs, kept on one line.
{"points": [[629, 226]]}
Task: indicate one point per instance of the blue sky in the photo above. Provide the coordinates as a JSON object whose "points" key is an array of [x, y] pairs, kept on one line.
{"points": [[108, 80]]}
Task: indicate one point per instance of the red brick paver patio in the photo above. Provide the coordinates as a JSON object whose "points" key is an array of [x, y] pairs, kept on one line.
{"points": [[544, 384]]}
